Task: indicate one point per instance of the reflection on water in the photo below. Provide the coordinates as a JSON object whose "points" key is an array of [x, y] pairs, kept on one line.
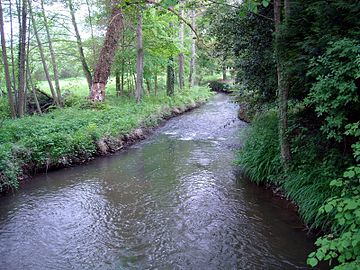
{"points": [[173, 201]]}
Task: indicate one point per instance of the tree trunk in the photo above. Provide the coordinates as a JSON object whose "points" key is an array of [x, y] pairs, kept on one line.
{"points": [[84, 64], [12, 50], [134, 82], [148, 86], [6, 64], [122, 83], [22, 59], [128, 84], [103, 65], [52, 54], [139, 60], [42, 56], [224, 75], [18, 10], [181, 54], [170, 77], [283, 89], [117, 83], [30, 85], [193, 51], [27, 88], [156, 87]]}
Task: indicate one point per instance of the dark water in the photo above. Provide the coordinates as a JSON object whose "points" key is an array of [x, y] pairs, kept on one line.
{"points": [[173, 201]]}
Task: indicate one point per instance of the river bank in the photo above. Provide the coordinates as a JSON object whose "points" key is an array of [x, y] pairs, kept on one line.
{"points": [[74, 135]]}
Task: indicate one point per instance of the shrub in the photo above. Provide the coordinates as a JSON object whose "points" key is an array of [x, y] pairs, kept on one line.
{"points": [[335, 93], [343, 212], [219, 86]]}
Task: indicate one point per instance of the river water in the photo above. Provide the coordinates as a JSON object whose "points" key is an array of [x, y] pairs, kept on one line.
{"points": [[172, 201]]}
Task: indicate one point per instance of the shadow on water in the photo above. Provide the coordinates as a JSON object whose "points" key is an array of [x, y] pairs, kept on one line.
{"points": [[173, 201]]}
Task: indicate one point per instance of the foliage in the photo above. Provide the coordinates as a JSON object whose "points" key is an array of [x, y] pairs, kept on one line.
{"points": [[343, 243], [306, 35], [219, 86], [246, 38], [335, 93]]}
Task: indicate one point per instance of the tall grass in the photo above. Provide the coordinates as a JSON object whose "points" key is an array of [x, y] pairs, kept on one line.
{"points": [[259, 155], [307, 180]]}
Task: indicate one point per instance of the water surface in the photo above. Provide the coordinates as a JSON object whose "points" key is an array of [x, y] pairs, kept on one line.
{"points": [[173, 201]]}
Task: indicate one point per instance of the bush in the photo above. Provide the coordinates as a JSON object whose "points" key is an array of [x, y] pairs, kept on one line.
{"points": [[219, 86], [343, 212], [335, 93]]}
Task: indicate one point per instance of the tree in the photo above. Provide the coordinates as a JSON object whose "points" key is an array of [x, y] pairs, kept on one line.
{"points": [[22, 59], [283, 86], [139, 59], [193, 51], [83, 61], [52, 54], [170, 77], [181, 54], [42, 56], [6, 64], [103, 65]]}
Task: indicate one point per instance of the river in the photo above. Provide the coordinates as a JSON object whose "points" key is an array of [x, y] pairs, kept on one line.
{"points": [[172, 201]]}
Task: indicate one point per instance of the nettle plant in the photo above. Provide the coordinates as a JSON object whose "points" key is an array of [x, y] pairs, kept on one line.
{"points": [[343, 244]]}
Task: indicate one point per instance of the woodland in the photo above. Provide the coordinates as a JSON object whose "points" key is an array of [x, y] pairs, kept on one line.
{"points": [[78, 72]]}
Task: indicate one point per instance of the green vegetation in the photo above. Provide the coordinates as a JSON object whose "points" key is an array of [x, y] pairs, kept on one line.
{"points": [[66, 135], [304, 137], [295, 64]]}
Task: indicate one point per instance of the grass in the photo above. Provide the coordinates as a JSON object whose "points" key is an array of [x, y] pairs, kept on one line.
{"points": [[307, 180], [58, 137], [77, 86]]}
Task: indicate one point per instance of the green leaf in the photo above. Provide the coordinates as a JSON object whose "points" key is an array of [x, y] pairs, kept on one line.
{"points": [[352, 205], [349, 174], [328, 208], [320, 255], [265, 3], [312, 262]]}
